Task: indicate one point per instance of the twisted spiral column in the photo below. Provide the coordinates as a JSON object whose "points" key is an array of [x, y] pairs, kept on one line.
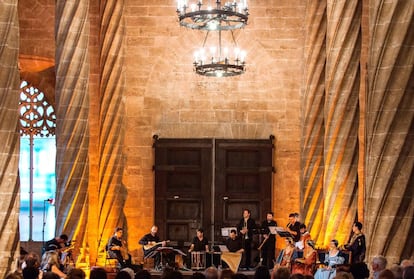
{"points": [[313, 121], [9, 149], [72, 132], [390, 131], [341, 117], [112, 193]]}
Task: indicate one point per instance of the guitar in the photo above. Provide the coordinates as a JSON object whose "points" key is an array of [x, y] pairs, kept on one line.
{"points": [[152, 244]]}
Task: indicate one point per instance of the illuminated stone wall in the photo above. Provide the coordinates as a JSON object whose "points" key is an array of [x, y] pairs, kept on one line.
{"points": [[134, 63], [9, 149]]}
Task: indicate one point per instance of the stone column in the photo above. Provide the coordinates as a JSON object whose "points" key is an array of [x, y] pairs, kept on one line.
{"points": [[390, 131], [312, 119], [112, 193], [72, 132], [9, 136], [341, 117]]}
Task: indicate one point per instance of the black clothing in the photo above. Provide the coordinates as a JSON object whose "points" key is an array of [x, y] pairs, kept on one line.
{"points": [[52, 244], [199, 245], [247, 239], [268, 248], [149, 238], [234, 245], [357, 247], [296, 228], [116, 254]]}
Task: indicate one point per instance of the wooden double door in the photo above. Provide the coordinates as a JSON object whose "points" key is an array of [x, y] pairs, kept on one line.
{"points": [[206, 183]]}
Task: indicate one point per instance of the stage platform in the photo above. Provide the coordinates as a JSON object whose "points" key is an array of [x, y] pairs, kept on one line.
{"points": [[187, 274]]}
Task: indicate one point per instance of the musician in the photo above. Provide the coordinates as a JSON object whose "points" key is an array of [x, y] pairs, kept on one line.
{"points": [[150, 242], [304, 237], [56, 243], [199, 243], [246, 227], [234, 243], [269, 242], [357, 244], [293, 227], [117, 249]]}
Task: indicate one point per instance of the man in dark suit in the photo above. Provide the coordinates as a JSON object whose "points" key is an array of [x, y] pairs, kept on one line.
{"points": [[245, 228]]}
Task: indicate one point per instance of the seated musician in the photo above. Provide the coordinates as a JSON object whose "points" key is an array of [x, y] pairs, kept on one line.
{"points": [[117, 249], [307, 264], [234, 243], [199, 244], [150, 242], [287, 255], [332, 259], [56, 243]]}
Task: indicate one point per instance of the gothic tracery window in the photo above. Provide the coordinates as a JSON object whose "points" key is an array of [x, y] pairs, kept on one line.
{"points": [[37, 124]]}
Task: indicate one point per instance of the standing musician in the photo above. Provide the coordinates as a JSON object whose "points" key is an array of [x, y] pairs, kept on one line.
{"points": [[293, 227], [117, 249], [150, 242], [357, 244], [246, 227], [269, 242]]}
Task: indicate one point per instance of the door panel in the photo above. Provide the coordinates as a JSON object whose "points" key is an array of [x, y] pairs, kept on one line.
{"points": [[182, 187], [186, 198]]}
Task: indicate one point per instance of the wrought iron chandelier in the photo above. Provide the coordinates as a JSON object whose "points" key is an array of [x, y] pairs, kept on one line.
{"points": [[216, 17], [219, 61]]}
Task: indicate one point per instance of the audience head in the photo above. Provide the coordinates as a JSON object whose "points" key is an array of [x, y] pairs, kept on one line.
{"points": [[406, 262], [386, 274], [76, 273], [226, 274], [142, 274], [281, 273], [378, 263], [359, 270], [344, 275], [130, 272], [211, 273], [262, 272], [98, 273], [31, 260], [169, 273], [397, 271], [297, 276], [123, 274], [408, 272], [50, 275], [198, 275], [239, 276], [30, 272], [14, 275]]}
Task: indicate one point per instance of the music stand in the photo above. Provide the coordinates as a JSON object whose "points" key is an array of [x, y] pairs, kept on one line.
{"points": [[280, 231], [162, 251]]}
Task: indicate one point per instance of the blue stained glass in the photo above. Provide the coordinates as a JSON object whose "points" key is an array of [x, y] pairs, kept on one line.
{"points": [[44, 187]]}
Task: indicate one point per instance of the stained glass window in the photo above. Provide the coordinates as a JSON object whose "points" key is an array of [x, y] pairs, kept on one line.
{"points": [[37, 165]]}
